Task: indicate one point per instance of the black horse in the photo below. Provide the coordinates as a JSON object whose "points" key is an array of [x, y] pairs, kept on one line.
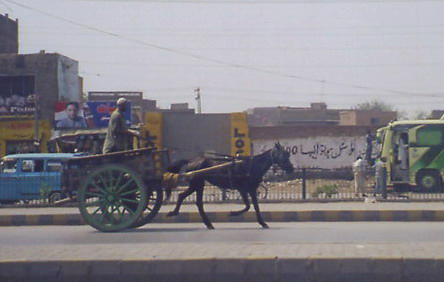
{"points": [[244, 177]]}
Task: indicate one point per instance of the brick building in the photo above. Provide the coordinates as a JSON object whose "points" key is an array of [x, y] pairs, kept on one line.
{"points": [[316, 114], [366, 118], [30, 86], [50, 76], [8, 35]]}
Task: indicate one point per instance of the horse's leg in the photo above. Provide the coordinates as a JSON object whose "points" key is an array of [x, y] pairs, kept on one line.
{"points": [[253, 196], [181, 198], [244, 196], [199, 203]]}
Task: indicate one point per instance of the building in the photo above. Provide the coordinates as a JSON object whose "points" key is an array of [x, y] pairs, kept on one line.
{"points": [[366, 117], [189, 135], [316, 114], [30, 86], [50, 77], [8, 35], [437, 114]]}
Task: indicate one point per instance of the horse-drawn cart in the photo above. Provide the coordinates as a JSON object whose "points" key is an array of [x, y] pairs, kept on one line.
{"points": [[119, 190], [123, 190]]}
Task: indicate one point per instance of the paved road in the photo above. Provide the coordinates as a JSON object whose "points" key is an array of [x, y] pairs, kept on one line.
{"points": [[226, 207], [302, 251], [84, 238], [311, 232]]}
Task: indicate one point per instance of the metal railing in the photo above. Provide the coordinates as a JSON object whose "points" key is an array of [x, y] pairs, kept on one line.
{"points": [[302, 185], [310, 184]]}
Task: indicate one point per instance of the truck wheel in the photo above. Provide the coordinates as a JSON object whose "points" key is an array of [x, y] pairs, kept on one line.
{"points": [[54, 197], [429, 181]]}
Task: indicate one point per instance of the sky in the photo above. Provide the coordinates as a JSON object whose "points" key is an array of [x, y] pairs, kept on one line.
{"points": [[245, 54]]}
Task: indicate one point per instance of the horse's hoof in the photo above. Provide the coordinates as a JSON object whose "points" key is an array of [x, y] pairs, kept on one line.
{"points": [[172, 213], [265, 226], [210, 227]]}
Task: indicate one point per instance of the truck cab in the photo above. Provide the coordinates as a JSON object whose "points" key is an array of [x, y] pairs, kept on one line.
{"points": [[414, 154], [26, 177]]}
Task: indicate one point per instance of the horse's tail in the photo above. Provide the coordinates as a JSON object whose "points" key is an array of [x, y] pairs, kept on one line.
{"points": [[171, 176]]}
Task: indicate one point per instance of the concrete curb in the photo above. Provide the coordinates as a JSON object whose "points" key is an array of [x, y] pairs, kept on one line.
{"points": [[269, 216], [256, 269]]}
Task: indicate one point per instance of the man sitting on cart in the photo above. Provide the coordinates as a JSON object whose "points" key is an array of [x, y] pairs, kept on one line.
{"points": [[116, 139]]}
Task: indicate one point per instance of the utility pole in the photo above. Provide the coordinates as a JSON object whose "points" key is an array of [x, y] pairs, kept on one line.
{"points": [[36, 123], [199, 100]]}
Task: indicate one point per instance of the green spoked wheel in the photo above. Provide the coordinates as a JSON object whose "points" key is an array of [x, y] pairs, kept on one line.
{"points": [[154, 202], [112, 198]]}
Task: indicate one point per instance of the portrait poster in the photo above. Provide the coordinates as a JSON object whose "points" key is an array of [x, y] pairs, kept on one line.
{"points": [[75, 115]]}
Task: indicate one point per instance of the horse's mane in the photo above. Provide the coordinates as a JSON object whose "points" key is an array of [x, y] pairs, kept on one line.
{"points": [[176, 166]]}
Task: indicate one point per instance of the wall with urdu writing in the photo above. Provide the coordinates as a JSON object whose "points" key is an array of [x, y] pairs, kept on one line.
{"points": [[327, 147]]}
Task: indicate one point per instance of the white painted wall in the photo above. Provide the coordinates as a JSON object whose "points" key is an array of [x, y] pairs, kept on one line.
{"points": [[68, 79], [320, 152]]}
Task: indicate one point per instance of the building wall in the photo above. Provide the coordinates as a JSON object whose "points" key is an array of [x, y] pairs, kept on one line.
{"points": [[367, 118], [69, 83], [348, 118], [55, 77], [437, 114], [191, 135], [8, 35], [316, 114], [327, 147]]}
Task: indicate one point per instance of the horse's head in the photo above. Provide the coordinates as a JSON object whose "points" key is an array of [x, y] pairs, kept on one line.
{"points": [[282, 158]]}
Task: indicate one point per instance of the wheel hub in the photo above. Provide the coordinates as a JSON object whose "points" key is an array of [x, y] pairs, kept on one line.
{"points": [[111, 198], [428, 181]]}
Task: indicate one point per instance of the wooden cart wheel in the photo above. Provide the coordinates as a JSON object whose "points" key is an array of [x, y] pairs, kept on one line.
{"points": [[154, 202], [112, 198]]}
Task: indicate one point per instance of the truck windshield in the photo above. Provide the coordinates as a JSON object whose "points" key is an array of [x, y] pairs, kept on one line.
{"points": [[8, 166]]}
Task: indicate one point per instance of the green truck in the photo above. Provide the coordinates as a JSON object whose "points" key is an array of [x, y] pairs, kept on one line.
{"points": [[413, 154]]}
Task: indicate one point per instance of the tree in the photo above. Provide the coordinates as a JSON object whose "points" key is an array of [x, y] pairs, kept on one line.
{"points": [[374, 105], [421, 115]]}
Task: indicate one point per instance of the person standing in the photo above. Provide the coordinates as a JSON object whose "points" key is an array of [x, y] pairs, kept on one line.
{"points": [[116, 139], [369, 149], [403, 151], [380, 176], [359, 176]]}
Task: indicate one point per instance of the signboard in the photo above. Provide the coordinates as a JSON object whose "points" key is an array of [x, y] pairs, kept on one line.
{"points": [[153, 128], [134, 97], [74, 115], [17, 95], [240, 140]]}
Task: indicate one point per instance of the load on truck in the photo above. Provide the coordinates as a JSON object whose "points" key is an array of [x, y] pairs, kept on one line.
{"points": [[413, 154]]}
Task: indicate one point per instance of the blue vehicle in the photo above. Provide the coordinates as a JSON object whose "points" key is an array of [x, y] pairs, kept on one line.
{"points": [[26, 177]]}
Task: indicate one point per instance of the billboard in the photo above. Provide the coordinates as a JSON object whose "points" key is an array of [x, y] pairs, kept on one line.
{"points": [[17, 95], [75, 115]]}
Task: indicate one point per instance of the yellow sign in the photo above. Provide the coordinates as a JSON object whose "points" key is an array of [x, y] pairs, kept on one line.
{"points": [[152, 130], [13, 132], [240, 139]]}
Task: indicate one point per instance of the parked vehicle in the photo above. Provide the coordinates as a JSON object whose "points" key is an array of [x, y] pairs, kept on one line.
{"points": [[25, 177], [413, 154]]}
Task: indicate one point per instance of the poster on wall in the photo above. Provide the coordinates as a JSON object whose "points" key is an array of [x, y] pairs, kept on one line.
{"points": [[75, 115], [17, 95]]}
